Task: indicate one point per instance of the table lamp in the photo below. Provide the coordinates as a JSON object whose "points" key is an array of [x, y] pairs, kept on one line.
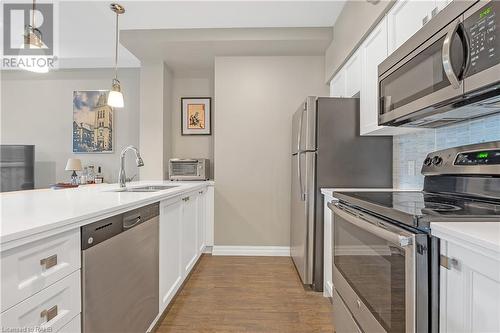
{"points": [[74, 164]]}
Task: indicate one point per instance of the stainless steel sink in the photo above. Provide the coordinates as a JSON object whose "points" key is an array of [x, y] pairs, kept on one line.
{"points": [[148, 188]]}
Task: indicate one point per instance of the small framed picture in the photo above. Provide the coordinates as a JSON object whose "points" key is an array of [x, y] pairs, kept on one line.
{"points": [[196, 116]]}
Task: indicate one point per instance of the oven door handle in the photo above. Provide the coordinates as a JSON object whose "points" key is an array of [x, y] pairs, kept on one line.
{"points": [[401, 239]]}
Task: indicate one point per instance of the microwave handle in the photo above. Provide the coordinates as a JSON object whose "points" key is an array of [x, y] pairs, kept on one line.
{"points": [[393, 237], [446, 56]]}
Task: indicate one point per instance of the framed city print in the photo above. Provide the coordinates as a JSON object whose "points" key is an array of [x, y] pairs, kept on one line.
{"points": [[92, 122], [196, 116]]}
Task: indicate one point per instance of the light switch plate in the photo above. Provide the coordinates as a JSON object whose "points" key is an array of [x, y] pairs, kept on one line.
{"points": [[411, 168]]}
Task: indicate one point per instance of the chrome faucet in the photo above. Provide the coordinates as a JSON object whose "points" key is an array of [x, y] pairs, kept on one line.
{"points": [[122, 178]]}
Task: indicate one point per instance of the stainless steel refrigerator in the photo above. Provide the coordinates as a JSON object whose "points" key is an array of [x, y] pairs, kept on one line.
{"points": [[327, 151]]}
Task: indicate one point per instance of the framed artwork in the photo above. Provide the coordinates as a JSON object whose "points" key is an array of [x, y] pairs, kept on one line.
{"points": [[196, 116], [92, 122]]}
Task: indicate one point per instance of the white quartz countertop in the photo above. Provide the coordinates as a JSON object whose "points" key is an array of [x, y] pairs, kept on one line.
{"points": [[484, 235], [28, 215]]}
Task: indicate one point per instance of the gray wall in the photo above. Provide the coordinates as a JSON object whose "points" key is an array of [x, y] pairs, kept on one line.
{"points": [[255, 98], [353, 24], [188, 146], [37, 109]]}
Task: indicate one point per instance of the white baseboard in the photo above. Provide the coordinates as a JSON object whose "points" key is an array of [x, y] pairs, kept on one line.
{"points": [[269, 251]]}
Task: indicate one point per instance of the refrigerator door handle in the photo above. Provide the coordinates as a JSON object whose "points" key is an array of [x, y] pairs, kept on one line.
{"points": [[301, 124], [299, 152], [301, 185]]}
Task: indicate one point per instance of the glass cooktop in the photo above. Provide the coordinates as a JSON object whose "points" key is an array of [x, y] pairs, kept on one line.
{"points": [[418, 209]]}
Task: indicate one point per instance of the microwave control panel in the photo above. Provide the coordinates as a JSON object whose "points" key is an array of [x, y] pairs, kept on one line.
{"points": [[483, 30]]}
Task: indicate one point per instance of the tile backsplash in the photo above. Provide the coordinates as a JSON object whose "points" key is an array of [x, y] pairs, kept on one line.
{"points": [[410, 150]]}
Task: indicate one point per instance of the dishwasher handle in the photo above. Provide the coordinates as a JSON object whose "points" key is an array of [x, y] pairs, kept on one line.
{"points": [[131, 221]]}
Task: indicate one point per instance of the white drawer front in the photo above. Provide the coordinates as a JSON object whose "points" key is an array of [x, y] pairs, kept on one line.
{"points": [[30, 315], [74, 326], [28, 269]]}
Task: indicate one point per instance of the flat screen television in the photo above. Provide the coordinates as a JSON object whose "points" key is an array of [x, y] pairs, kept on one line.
{"points": [[17, 167]]}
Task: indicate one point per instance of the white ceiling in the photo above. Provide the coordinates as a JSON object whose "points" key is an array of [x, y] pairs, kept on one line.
{"points": [[86, 28], [192, 51]]}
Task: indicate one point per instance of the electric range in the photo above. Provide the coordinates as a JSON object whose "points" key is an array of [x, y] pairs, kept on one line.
{"points": [[386, 262]]}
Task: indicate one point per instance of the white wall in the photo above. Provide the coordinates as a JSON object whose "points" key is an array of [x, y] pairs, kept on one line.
{"points": [[37, 109], [255, 98], [189, 146], [155, 119]]}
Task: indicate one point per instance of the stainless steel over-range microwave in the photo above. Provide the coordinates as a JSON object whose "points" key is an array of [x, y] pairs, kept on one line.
{"points": [[189, 169], [447, 72]]}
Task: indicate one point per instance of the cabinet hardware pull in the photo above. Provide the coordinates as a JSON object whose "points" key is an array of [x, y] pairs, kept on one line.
{"points": [[49, 314], [447, 262], [49, 261]]}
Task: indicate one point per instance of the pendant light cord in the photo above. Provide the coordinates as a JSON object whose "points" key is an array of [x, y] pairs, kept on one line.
{"points": [[116, 48], [33, 15]]}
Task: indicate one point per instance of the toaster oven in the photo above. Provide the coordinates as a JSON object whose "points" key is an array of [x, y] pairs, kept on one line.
{"points": [[189, 169]]}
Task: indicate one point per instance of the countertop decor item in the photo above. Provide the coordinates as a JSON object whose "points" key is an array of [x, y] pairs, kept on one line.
{"points": [[115, 97], [196, 116], [74, 164], [60, 186], [92, 122]]}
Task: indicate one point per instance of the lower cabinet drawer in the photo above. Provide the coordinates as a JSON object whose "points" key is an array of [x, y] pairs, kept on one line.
{"points": [[27, 269], [74, 326], [342, 318], [49, 309]]}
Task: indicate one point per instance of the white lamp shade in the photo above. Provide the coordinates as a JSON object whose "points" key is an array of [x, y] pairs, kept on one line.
{"points": [[115, 99], [74, 164]]}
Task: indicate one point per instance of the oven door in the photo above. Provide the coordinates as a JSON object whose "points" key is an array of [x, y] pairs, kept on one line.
{"points": [[374, 271], [425, 78]]}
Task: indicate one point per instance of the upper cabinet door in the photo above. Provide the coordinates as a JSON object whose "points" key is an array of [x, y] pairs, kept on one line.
{"points": [[338, 84], [405, 18], [373, 51], [353, 75]]}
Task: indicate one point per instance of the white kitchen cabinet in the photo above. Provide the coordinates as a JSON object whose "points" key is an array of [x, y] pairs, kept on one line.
{"points": [[170, 267], [74, 326], [189, 232], [338, 84], [405, 18], [48, 310], [373, 52], [27, 269], [352, 74], [469, 290]]}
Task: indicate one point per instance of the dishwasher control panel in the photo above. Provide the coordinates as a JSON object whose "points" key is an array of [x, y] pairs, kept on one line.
{"points": [[98, 232]]}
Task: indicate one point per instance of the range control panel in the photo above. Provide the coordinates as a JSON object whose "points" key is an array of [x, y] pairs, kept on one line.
{"points": [[482, 158], [485, 157], [483, 30]]}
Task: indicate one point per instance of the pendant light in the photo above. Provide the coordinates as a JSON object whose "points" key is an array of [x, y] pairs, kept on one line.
{"points": [[115, 96], [33, 40]]}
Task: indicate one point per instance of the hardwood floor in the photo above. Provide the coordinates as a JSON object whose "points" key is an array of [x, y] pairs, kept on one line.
{"points": [[246, 294]]}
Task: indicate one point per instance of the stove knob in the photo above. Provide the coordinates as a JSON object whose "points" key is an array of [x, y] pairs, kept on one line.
{"points": [[428, 161], [437, 161]]}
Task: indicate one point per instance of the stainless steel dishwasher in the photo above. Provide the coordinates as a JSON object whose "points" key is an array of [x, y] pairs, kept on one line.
{"points": [[120, 272]]}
